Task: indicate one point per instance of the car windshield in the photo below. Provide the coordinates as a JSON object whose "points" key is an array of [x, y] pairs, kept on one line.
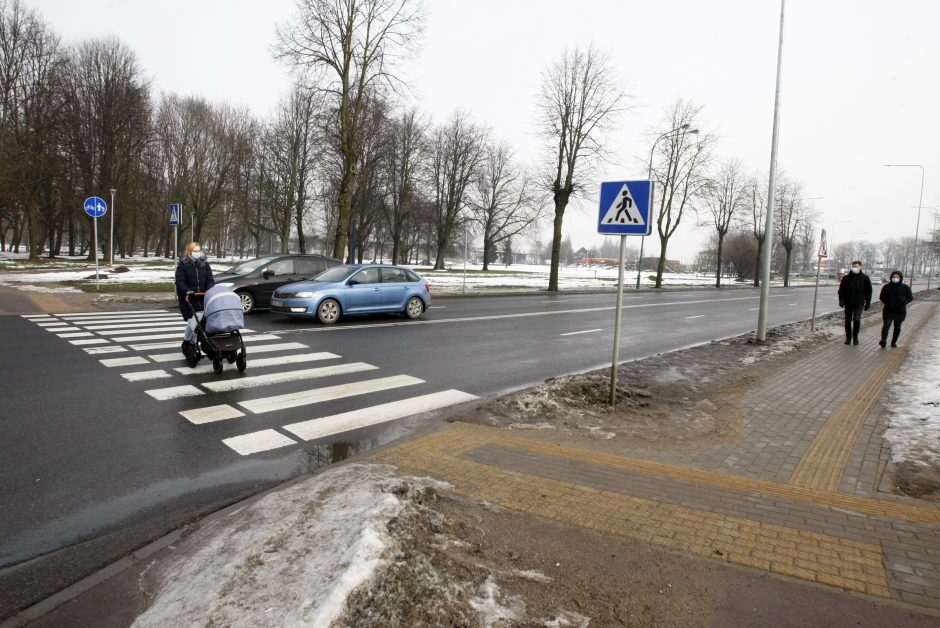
{"points": [[337, 273], [251, 266]]}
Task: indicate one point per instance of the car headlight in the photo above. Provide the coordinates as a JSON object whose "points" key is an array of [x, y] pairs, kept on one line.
{"points": [[303, 295], [226, 284]]}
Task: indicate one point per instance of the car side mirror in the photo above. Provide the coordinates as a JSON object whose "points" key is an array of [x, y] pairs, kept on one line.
{"points": [[352, 282], [268, 273]]}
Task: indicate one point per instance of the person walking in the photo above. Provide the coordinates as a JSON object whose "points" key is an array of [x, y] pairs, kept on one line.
{"points": [[855, 296], [193, 274], [895, 295]]}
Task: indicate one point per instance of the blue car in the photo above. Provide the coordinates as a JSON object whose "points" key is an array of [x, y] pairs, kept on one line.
{"points": [[355, 289]]}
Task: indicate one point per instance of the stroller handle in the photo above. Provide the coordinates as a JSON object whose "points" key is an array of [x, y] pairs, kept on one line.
{"points": [[195, 294]]}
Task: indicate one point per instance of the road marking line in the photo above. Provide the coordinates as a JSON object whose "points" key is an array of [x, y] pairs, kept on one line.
{"points": [[99, 350], [90, 341], [211, 414], [287, 376], [284, 346], [259, 337], [76, 334], [110, 362], [586, 331], [277, 361], [255, 442], [752, 309], [141, 376], [122, 313], [177, 335], [162, 321], [157, 345], [791, 304], [174, 392], [565, 301], [696, 316], [356, 419], [35, 316], [330, 393], [54, 324], [168, 357], [131, 332], [438, 307]]}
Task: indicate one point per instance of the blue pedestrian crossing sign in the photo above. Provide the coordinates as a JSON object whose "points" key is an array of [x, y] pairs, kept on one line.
{"points": [[176, 213], [95, 207], [625, 208]]}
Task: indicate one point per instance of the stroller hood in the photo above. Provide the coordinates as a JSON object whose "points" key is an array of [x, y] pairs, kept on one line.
{"points": [[223, 311]]}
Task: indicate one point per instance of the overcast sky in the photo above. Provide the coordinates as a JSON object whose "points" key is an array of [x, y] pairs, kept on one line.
{"points": [[859, 87]]}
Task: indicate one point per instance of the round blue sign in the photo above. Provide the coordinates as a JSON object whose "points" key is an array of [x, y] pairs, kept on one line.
{"points": [[95, 207]]}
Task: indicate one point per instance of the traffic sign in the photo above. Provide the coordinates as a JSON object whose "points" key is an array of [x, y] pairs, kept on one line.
{"points": [[176, 213], [95, 207], [823, 246], [625, 208]]}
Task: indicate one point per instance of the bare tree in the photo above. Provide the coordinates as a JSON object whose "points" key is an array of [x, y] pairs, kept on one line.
{"points": [[792, 212], [453, 163], [680, 173], [755, 217], [406, 146], [503, 205], [578, 105], [354, 45], [724, 198]]}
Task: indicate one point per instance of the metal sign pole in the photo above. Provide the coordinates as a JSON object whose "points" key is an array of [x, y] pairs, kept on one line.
{"points": [[96, 254], [617, 316], [812, 325]]}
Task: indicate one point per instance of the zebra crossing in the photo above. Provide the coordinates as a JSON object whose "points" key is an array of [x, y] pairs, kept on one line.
{"points": [[144, 347]]}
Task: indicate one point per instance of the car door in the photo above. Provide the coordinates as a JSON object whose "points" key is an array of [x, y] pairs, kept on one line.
{"points": [[394, 289], [273, 276], [307, 268], [363, 292]]}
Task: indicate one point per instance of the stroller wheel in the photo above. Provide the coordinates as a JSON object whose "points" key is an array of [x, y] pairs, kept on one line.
{"points": [[217, 366], [185, 348], [241, 362], [231, 358]]}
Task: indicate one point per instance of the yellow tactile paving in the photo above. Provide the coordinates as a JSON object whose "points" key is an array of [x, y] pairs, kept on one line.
{"points": [[849, 564], [823, 464], [50, 303]]}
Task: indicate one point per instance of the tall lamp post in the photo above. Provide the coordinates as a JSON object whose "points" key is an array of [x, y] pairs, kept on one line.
{"points": [[920, 202], [649, 176], [111, 239]]}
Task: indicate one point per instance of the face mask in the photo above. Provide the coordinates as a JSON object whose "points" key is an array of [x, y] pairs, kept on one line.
{"points": [[856, 270], [895, 280], [197, 254]]}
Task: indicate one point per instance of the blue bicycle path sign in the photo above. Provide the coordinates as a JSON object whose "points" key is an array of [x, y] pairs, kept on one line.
{"points": [[95, 207], [625, 208]]}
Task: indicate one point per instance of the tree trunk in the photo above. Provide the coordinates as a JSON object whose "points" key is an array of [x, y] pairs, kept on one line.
{"points": [[721, 241], [561, 202], [786, 269], [661, 266], [760, 247], [487, 247], [344, 213]]}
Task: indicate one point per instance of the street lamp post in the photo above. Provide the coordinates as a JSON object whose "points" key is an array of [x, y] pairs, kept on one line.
{"points": [[920, 202], [111, 239], [649, 176]]}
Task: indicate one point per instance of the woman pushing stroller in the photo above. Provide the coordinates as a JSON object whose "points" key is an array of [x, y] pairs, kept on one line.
{"points": [[193, 275]]}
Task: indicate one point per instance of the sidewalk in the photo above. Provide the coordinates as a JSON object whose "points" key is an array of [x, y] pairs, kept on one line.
{"points": [[803, 494]]}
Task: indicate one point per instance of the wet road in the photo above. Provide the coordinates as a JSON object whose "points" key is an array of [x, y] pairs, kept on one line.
{"points": [[107, 445]]}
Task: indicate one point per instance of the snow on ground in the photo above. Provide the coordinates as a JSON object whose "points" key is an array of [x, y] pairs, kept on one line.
{"points": [[913, 428], [291, 558]]}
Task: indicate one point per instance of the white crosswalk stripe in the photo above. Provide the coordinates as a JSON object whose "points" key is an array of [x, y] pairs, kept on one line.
{"points": [[137, 337]]}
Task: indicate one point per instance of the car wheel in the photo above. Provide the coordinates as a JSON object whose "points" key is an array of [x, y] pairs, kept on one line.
{"points": [[248, 302], [328, 311], [414, 308]]}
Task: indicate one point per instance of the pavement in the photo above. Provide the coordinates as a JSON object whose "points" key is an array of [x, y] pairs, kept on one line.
{"points": [[804, 494]]}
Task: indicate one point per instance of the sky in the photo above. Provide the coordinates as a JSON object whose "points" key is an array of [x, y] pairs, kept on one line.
{"points": [[858, 88]]}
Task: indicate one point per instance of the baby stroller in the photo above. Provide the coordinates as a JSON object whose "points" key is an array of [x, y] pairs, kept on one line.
{"points": [[215, 331]]}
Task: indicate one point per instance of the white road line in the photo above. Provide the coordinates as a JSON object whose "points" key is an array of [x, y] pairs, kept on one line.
{"points": [[142, 376], [752, 309], [287, 376], [121, 313], [100, 350], [76, 334], [168, 357], [318, 395], [438, 307], [255, 442], [211, 414], [158, 345], [177, 335], [586, 331], [277, 361], [259, 338], [90, 341], [54, 324], [35, 316], [355, 419], [111, 362], [151, 330], [791, 303], [174, 392], [565, 301], [284, 346], [163, 321], [696, 316]]}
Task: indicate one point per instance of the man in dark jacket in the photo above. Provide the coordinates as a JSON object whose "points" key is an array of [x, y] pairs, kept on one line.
{"points": [[854, 296], [895, 295]]}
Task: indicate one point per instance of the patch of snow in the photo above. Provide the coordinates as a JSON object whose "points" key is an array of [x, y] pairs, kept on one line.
{"points": [[597, 431], [44, 289], [491, 609], [532, 426], [291, 558], [567, 618], [913, 428]]}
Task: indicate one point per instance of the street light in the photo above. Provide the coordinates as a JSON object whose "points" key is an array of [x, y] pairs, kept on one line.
{"points": [[919, 204], [111, 239], [649, 176]]}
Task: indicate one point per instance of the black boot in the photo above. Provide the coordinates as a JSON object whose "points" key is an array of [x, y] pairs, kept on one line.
{"points": [[856, 326]]}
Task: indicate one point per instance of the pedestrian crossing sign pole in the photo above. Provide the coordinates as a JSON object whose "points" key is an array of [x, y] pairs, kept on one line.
{"points": [[820, 256], [624, 210], [176, 216]]}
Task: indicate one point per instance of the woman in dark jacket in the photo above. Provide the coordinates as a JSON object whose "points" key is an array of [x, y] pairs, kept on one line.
{"points": [[193, 274], [895, 295]]}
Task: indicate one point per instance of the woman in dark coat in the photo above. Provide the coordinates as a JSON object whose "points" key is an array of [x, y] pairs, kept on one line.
{"points": [[895, 295], [193, 274]]}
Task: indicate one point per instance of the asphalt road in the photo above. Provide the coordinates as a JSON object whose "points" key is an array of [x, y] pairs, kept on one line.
{"points": [[93, 465]]}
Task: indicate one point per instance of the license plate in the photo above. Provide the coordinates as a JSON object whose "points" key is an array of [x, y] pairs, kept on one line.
{"points": [[277, 302]]}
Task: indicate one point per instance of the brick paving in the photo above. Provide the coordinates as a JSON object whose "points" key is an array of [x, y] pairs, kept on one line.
{"points": [[798, 495]]}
